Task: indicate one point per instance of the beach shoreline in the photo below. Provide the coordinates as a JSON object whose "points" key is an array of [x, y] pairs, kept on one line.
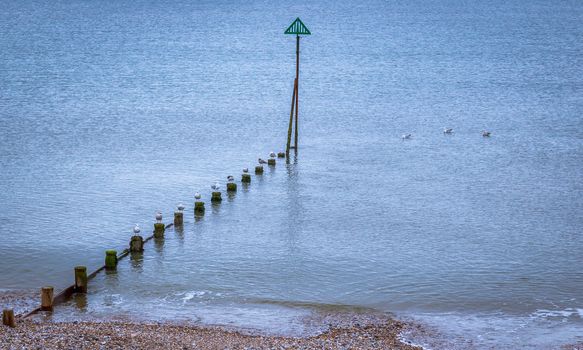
{"points": [[339, 330]]}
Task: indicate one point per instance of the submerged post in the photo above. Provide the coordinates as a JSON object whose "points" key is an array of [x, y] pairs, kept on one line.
{"points": [[159, 226], [198, 205], [46, 298], [179, 215], [259, 170], [8, 318], [110, 259], [80, 279], [136, 242], [246, 177], [216, 197], [297, 28]]}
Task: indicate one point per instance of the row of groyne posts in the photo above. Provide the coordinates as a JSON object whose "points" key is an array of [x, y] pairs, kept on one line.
{"points": [[136, 245], [48, 300]]}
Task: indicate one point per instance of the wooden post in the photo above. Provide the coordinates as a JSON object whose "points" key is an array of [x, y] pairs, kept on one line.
{"points": [[137, 244], [8, 318], [216, 197], [110, 259], [159, 230], [198, 208], [271, 162], [246, 178], [46, 298], [231, 187], [291, 119], [259, 170], [281, 155], [178, 218], [80, 279]]}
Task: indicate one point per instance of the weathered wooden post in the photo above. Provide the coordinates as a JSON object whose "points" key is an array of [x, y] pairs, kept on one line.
{"points": [[198, 205], [159, 226], [80, 279], [179, 215], [281, 155], [110, 259], [216, 197], [46, 298], [231, 185], [259, 170], [246, 177], [271, 160], [8, 318], [297, 28], [136, 242]]}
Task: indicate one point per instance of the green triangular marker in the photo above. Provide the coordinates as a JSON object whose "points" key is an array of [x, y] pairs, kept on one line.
{"points": [[298, 27]]}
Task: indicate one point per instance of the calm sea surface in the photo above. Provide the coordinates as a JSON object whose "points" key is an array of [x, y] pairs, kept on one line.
{"points": [[112, 110]]}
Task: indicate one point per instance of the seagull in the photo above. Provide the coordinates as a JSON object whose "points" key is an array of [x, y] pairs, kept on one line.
{"points": [[230, 178], [261, 161], [406, 137], [136, 229], [159, 217], [197, 195], [216, 186], [180, 207], [272, 154], [486, 133], [245, 170], [447, 130]]}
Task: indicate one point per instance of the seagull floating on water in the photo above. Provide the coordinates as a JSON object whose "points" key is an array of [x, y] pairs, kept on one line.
{"points": [[447, 130], [136, 229], [216, 186], [406, 136], [261, 161], [272, 154], [197, 195], [180, 207], [245, 170], [230, 178], [486, 133]]}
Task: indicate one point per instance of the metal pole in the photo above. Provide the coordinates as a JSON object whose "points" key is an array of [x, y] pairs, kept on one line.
{"points": [[297, 88]]}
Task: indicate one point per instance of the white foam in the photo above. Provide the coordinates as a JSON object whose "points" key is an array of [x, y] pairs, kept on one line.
{"points": [[541, 329]]}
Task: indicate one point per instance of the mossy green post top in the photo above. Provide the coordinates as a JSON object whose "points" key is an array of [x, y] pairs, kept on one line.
{"points": [[298, 28]]}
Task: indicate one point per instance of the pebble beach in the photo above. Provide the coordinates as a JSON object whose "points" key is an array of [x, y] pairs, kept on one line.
{"points": [[342, 332]]}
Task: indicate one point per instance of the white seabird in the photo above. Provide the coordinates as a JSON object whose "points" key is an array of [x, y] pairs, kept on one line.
{"points": [[197, 195], [486, 133], [245, 170], [406, 136], [272, 154], [137, 229], [159, 217], [180, 207], [230, 178], [261, 161], [216, 186], [447, 130]]}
